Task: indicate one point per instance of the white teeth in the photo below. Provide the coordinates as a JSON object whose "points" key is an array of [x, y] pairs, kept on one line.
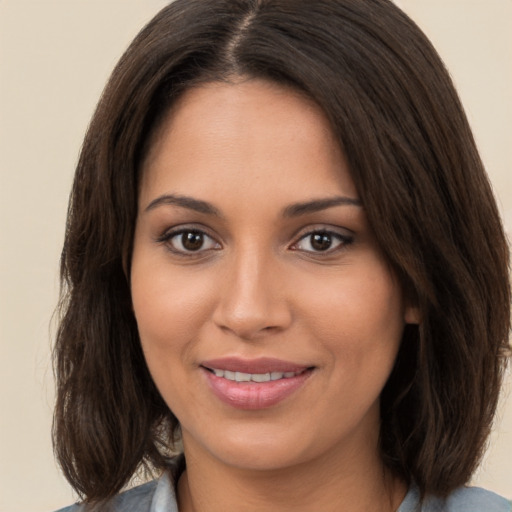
{"points": [[253, 377], [260, 377]]}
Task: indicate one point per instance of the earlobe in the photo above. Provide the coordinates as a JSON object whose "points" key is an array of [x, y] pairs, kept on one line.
{"points": [[412, 315]]}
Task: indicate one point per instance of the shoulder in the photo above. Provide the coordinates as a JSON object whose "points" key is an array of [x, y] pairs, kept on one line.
{"points": [[475, 499], [138, 499], [468, 499], [464, 499], [153, 496]]}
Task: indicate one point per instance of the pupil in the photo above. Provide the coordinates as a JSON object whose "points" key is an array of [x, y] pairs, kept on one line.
{"points": [[321, 241], [192, 241]]}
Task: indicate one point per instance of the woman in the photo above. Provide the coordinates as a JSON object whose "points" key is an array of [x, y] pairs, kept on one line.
{"points": [[283, 255]]}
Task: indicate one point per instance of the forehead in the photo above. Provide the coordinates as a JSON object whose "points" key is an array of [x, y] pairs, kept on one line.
{"points": [[249, 133]]}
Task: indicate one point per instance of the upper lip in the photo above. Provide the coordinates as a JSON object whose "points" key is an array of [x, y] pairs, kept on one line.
{"points": [[259, 365]]}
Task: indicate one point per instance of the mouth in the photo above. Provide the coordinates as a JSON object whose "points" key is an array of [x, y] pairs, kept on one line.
{"points": [[254, 384], [254, 377]]}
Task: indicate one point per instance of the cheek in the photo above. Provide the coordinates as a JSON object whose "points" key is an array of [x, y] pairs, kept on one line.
{"points": [[358, 316], [170, 307]]}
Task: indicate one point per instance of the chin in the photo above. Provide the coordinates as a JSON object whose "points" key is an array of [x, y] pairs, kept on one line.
{"points": [[256, 449]]}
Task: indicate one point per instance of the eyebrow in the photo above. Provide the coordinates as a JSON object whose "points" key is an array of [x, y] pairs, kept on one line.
{"points": [[293, 210], [185, 202], [316, 205]]}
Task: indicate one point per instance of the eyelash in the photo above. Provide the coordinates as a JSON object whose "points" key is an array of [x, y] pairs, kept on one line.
{"points": [[167, 238], [343, 241]]}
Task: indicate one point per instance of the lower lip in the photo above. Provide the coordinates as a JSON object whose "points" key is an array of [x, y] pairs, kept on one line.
{"points": [[252, 395]]}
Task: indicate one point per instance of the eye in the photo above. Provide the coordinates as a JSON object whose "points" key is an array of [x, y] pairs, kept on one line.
{"points": [[322, 241], [187, 241]]}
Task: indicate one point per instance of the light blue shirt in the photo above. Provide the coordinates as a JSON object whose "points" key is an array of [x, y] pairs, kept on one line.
{"points": [[159, 496]]}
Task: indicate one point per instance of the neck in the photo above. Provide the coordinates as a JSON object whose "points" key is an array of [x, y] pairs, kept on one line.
{"points": [[355, 482]]}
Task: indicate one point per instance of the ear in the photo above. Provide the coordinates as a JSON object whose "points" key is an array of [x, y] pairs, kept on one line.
{"points": [[412, 315]]}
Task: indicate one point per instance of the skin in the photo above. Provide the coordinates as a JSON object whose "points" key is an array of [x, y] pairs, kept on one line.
{"points": [[258, 288]]}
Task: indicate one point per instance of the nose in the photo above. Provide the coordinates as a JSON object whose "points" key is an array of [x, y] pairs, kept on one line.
{"points": [[252, 297]]}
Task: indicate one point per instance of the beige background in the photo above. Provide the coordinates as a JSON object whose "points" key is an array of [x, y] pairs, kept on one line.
{"points": [[55, 57]]}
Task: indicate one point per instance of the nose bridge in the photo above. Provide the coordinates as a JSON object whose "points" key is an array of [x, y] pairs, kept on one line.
{"points": [[252, 299]]}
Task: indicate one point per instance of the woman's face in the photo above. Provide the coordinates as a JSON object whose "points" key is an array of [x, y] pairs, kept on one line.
{"points": [[268, 317]]}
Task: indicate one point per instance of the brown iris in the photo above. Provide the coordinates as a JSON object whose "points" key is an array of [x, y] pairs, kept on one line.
{"points": [[192, 240], [321, 241]]}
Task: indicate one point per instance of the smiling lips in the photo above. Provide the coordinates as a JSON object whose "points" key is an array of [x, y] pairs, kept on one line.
{"points": [[255, 384]]}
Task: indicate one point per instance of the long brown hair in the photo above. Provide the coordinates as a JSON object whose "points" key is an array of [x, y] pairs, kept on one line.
{"points": [[412, 156]]}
